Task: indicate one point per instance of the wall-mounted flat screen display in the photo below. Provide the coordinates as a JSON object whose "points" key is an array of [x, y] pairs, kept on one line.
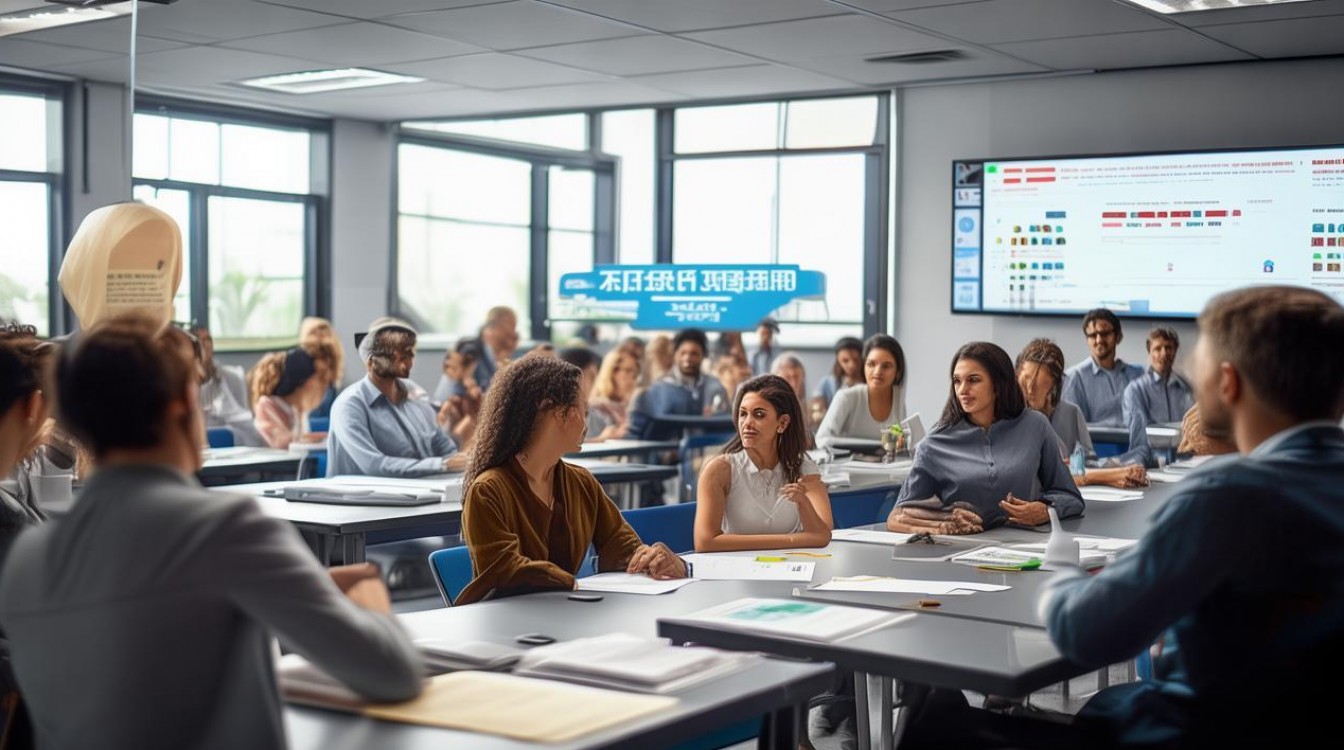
{"points": [[1146, 235]]}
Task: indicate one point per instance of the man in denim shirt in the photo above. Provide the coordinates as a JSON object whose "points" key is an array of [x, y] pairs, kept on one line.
{"points": [[1240, 579], [684, 390], [1098, 383]]}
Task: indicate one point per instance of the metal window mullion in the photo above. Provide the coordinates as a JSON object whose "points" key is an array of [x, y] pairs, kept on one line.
{"points": [[540, 247], [664, 141], [200, 256], [604, 216]]}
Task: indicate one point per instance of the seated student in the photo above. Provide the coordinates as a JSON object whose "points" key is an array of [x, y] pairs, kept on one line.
{"points": [[1159, 395], [864, 410], [286, 386], [144, 616], [658, 359], [312, 331], [1040, 374], [731, 370], [527, 516], [764, 356], [684, 390], [762, 491], [1097, 384], [499, 340], [458, 395], [1199, 439], [224, 398], [847, 370], [1240, 574], [377, 428], [615, 386], [727, 342], [981, 464]]}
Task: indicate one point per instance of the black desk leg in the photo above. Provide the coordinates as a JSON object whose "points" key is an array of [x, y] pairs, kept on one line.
{"points": [[779, 729]]}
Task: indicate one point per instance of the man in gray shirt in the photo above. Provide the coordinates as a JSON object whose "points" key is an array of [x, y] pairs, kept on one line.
{"points": [[144, 617], [1098, 383], [1158, 395], [377, 429]]}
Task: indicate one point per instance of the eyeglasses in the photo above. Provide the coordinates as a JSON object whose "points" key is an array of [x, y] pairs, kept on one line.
{"points": [[1100, 334]]}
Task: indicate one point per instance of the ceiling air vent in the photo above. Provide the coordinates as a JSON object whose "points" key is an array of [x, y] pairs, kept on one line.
{"points": [[922, 58]]}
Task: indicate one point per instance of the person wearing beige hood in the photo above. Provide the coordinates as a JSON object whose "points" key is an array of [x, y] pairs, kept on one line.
{"points": [[126, 256]]}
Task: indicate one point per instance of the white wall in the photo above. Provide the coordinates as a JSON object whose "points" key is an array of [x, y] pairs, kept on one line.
{"points": [[1217, 106]]}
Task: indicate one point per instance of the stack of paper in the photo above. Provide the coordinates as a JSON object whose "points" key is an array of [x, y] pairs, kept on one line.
{"points": [[721, 567], [1109, 494], [629, 583], [869, 536], [1189, 464], [998, 557], [796, 619], [1106, 544], [443, 655], [884, 585], [1166, 476], [647, 665]]}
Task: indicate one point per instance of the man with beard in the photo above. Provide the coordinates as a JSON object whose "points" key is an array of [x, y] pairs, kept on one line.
{"points": [[1097, 384]]}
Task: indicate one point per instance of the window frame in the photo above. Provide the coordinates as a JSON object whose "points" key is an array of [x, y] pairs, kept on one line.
{"points": [[317, 217], [540, 159], [59, 231]]}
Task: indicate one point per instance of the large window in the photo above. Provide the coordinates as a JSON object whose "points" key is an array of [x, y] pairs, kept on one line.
{"points": [[496, 220], [496, 211], [30, 171], [247, 196], [786, 182]]}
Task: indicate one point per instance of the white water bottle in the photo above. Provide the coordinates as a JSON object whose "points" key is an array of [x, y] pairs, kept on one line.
{"points": [[1076, 460]]}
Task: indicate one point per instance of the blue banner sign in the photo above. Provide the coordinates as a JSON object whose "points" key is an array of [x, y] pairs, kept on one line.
{"points": [[714, 297]]}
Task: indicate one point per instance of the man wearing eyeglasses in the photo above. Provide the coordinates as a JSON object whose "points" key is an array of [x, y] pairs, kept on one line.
{"points": [[1097, 384]]}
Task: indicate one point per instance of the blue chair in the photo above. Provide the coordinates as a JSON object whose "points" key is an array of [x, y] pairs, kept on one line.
{"points": [[319, 424], [673, 525], [861, 509], [452, 570], [691, 448], [219, 437]]}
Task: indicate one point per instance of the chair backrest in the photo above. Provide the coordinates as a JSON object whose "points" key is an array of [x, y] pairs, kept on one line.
{"points": [[691, 448], [319, 424], [452, 571], [673, 525], [219, 437], [861, 509]]}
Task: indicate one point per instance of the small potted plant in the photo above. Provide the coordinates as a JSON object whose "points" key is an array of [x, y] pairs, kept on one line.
{"points": [[893, 441]]}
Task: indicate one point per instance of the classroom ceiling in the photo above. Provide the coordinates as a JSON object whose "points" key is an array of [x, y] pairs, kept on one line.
{"points": [[490, 57]]}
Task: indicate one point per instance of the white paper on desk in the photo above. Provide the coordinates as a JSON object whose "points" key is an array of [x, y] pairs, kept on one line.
{"points": [[629, 583], [835, 479], [1194, 462], [798, 619], [1107, 544], [869, 536], [449, 487], [884, 585], [719, 567], [1166, 476], [1108, 494], [997, 556]]}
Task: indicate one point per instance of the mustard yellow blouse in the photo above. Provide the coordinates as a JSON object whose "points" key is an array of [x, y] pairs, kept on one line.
{"points": [[518, 545]]}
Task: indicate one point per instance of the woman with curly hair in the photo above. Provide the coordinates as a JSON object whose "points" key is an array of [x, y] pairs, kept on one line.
{"points": [[527, 516], [762, 491], [285, 387]]}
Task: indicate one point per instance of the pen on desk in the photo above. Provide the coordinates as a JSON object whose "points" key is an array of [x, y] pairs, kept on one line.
{"points": [[770, 558]]}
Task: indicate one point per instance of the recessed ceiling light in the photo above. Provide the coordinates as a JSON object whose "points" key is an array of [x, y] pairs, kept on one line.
{"points": [[37, 19], [317, 81], [1194, 6]]}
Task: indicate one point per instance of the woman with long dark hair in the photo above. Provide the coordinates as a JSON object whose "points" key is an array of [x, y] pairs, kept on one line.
{"points": [[528, 517], [762, 491], [846, 370], [864, 410], [984, 461]]}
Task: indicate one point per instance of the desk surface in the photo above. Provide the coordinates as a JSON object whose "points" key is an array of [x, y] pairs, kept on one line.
{"points": [[759, 689], [619, 448]]}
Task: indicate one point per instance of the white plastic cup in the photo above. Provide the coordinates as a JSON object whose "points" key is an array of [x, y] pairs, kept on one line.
{"points": [[54, 489]]}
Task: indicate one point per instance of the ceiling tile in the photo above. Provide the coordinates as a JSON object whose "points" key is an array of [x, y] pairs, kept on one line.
{"points": [[112, 35], [366, 44], [1261, 13], [820, 37], [219, 20], [375, 8], [977, 64], [745, 81], [37, 56], [584, 95], [493, 70], [1297, 37], [1138, 49], [1003, 21], [687, 15], [639, 55], [891, 6], [512, 25]]}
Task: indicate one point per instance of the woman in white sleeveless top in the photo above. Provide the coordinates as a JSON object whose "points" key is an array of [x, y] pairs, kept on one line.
{"points": [[763, 492]]}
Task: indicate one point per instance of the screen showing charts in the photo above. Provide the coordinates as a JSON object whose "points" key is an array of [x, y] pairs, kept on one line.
{"points": [[1152, 235]]}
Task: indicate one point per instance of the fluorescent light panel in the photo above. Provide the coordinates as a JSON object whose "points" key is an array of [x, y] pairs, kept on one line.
{"points": [[317, 81], [37, 19], [1194, 6]]}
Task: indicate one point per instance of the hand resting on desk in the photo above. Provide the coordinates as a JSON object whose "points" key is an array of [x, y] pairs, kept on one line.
{"points": [[363, 584], [657, 561]]}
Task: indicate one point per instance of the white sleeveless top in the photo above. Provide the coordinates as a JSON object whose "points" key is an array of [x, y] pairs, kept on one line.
{"points": [[754, 505]]}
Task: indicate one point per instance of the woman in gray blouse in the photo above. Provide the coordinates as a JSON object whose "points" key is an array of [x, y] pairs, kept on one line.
{"points": [[990, 460], [864, 410], [1040, 374]]}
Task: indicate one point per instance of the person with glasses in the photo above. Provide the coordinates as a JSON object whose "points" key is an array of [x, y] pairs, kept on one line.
{"points": [[377, 428], [1097, 384]]}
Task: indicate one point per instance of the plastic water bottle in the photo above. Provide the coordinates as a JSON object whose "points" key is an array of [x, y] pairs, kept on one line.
{"points": [[1076, 459]]}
